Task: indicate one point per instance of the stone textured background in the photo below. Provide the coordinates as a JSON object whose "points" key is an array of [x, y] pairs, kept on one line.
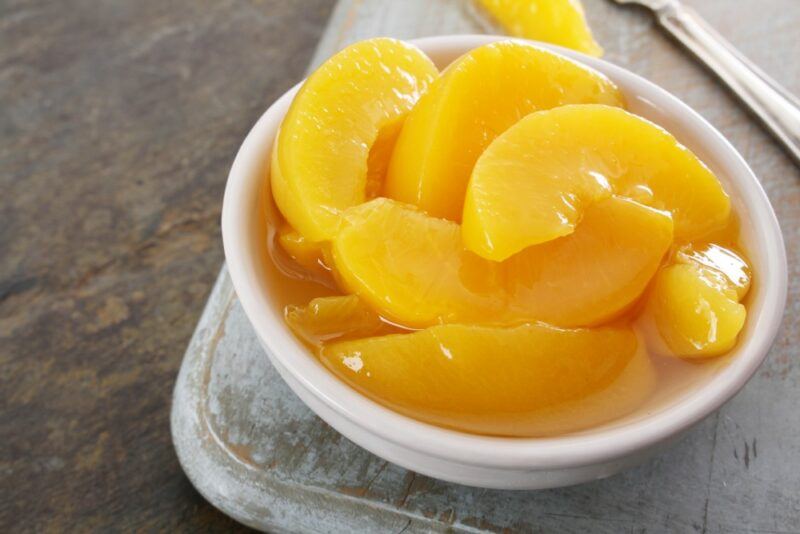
{"points": [[118, 123]]}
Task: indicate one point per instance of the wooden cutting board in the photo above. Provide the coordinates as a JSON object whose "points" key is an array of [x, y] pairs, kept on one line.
{"points": [[259, 455]]}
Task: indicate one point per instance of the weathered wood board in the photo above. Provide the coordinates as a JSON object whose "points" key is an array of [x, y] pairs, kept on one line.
{"points": [[258, 454]]}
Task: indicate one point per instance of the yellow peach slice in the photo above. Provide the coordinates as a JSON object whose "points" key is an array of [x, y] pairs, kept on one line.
{"points": [[728, 267], [475, 99], [356, 100], [307, 254], [597, 271], [326, 318], [528, 380], [533, 182], [696, 314], [413, 268], [560, 22]]}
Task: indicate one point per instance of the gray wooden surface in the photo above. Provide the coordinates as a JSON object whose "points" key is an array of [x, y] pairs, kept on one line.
{"points": [[256, 452]]}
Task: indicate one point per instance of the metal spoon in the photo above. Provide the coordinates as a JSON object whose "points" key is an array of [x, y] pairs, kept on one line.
{"points": [[777, 107]]}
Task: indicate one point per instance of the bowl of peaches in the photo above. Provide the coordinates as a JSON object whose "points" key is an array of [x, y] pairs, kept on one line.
{"points": [[498, 262]]}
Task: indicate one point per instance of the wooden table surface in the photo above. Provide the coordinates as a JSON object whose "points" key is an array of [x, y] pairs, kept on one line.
{"points": [[118, 123]]}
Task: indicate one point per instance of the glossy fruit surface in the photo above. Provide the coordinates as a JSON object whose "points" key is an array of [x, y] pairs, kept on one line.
{"points": [[327, 318], [533, 183], [594, 273], [560, 22], [413, 268], [354, 102], [523, 381], [726, 265], [307, 254], [696, 312], [477, 98]]}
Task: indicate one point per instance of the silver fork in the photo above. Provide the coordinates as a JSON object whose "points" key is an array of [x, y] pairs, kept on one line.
{"points": [[774, 105]]}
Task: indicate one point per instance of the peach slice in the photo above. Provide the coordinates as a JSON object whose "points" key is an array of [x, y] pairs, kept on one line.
{"points": [[476, 98], [307, 254], [597, 271], [696, 312], [413, 268], [356, 100], [528, 380], [560, 22], [326, 318], [695, 301], [730, 270], [533, 182]]}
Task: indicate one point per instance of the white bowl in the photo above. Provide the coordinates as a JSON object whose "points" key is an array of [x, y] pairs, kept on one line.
{"points": [[511, 463]]}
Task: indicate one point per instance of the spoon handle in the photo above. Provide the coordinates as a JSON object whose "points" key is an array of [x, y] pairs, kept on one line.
{"points": [[777, 108]]}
